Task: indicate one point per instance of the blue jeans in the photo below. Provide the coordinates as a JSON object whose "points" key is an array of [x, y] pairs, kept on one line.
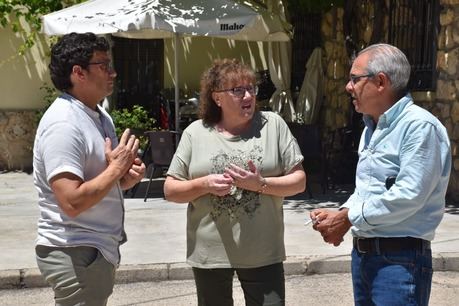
{"points": [[401, 278]]}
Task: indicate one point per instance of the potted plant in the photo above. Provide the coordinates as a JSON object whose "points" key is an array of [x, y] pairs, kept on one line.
{"points": [[136, 119]]}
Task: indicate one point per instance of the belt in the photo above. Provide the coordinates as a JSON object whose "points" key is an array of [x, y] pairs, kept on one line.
{"points": [[381, 245]]}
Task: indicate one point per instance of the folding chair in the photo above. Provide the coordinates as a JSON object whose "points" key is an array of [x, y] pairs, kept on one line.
{"points": [[160, 150]]}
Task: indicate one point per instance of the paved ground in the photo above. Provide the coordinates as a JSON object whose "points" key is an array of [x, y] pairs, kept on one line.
{"points": [[156, 232], [301, 290]]}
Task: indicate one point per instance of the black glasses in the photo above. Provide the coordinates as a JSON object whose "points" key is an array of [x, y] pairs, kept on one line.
{"points": [[356, 78], [107, 66], [239, 92]]}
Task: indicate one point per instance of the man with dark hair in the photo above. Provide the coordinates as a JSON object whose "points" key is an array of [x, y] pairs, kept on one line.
{"points": [[80, 170], [401, 182]]}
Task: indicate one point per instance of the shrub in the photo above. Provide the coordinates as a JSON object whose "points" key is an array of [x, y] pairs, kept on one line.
{"points": [[136, 119]]}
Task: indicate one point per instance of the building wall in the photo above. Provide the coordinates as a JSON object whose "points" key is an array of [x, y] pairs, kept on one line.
{"points": [[20, 80], [22, 76], [443, 103], [198, 53]]}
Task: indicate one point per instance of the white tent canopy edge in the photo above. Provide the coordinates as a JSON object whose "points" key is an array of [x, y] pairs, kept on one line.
{"points": [[146, 19]]}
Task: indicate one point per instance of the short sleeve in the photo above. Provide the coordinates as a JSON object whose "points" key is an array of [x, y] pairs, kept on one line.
{"points": [[62, 150], [288, 146], [181, 161]]}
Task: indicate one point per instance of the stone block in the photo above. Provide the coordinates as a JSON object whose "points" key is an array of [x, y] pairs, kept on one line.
{"points": [[32, 278], [10, 279], [452, 63], [179, 271], [447, 17], [455, 112], [445, 110], [454, 148], [456, 164], [450, 2], [455, 133], [446, 262], [17, 132], [324, 265], [141, 273], [295, 266], [446, 90], [449, 42], [441, 60], [441, 38], [326, 29]]}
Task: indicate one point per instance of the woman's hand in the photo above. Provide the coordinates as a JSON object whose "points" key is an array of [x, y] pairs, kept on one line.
{"points": [[246, 179], [219, 184]]}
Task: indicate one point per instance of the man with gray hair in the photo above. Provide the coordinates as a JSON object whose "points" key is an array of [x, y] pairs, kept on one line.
{"points": [[401, 181]]}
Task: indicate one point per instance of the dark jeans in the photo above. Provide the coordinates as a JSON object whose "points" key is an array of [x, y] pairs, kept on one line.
{"points": [[261, 286], [401, 278]]}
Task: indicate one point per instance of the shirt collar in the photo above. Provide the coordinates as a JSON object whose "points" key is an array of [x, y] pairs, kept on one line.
{"points": [[95, 114], [391, 114]]}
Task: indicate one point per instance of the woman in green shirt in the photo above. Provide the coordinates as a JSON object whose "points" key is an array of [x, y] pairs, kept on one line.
{"points": [[234, 167]]}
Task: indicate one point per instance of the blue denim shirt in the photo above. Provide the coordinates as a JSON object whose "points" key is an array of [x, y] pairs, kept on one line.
{"points": [[410, 143]]}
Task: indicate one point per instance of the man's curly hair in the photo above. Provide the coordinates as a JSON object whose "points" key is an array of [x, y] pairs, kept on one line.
{"points": [[73, 49]]}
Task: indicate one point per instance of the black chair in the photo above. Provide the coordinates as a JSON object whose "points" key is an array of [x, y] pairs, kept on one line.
{"points": [[159, 152]]}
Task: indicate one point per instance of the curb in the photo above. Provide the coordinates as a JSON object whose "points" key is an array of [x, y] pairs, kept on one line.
{"points": [[294, 265]]}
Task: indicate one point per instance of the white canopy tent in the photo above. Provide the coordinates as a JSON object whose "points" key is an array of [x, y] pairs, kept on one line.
{"points": [[280, 67], [311, 93], [146, 19]]}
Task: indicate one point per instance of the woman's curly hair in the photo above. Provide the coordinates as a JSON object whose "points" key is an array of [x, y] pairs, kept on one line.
{"points": [[223, 74]]}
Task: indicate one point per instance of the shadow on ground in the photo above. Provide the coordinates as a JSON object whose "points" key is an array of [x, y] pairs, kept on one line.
{"points": [[140, 191], [332, 198], [452, 206]]}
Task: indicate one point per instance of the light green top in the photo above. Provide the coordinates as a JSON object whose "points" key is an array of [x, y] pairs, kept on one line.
{"points": [[243, 229]]}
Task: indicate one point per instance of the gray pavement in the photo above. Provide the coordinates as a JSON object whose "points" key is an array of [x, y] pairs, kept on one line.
{"points": [[156, 244]]}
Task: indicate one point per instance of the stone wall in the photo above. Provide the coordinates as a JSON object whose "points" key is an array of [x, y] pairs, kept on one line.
{"points": [[16, 140], [443, 103], [336, 105]]}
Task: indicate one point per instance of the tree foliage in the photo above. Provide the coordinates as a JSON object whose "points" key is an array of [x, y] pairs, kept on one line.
{"points": [[13, 11]]}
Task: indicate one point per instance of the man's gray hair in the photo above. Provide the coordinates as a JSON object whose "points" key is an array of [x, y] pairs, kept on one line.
{"points": [[392, 62]]}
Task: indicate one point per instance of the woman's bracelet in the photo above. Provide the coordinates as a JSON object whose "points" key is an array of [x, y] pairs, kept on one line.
{"points": [[263, 185]]}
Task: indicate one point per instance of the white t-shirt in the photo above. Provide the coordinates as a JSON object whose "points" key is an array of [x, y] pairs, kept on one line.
{"points": [[71, 138]]}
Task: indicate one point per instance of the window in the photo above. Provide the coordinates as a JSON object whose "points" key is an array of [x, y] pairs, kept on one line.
{"points": [[413, 28]]}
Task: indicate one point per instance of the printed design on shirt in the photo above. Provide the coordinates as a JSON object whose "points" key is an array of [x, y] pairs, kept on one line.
{"points": [[239, 201]]}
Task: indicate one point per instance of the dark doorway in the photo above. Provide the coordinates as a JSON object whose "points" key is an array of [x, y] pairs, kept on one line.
{"points": [[139, 65], [307, 36]]}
